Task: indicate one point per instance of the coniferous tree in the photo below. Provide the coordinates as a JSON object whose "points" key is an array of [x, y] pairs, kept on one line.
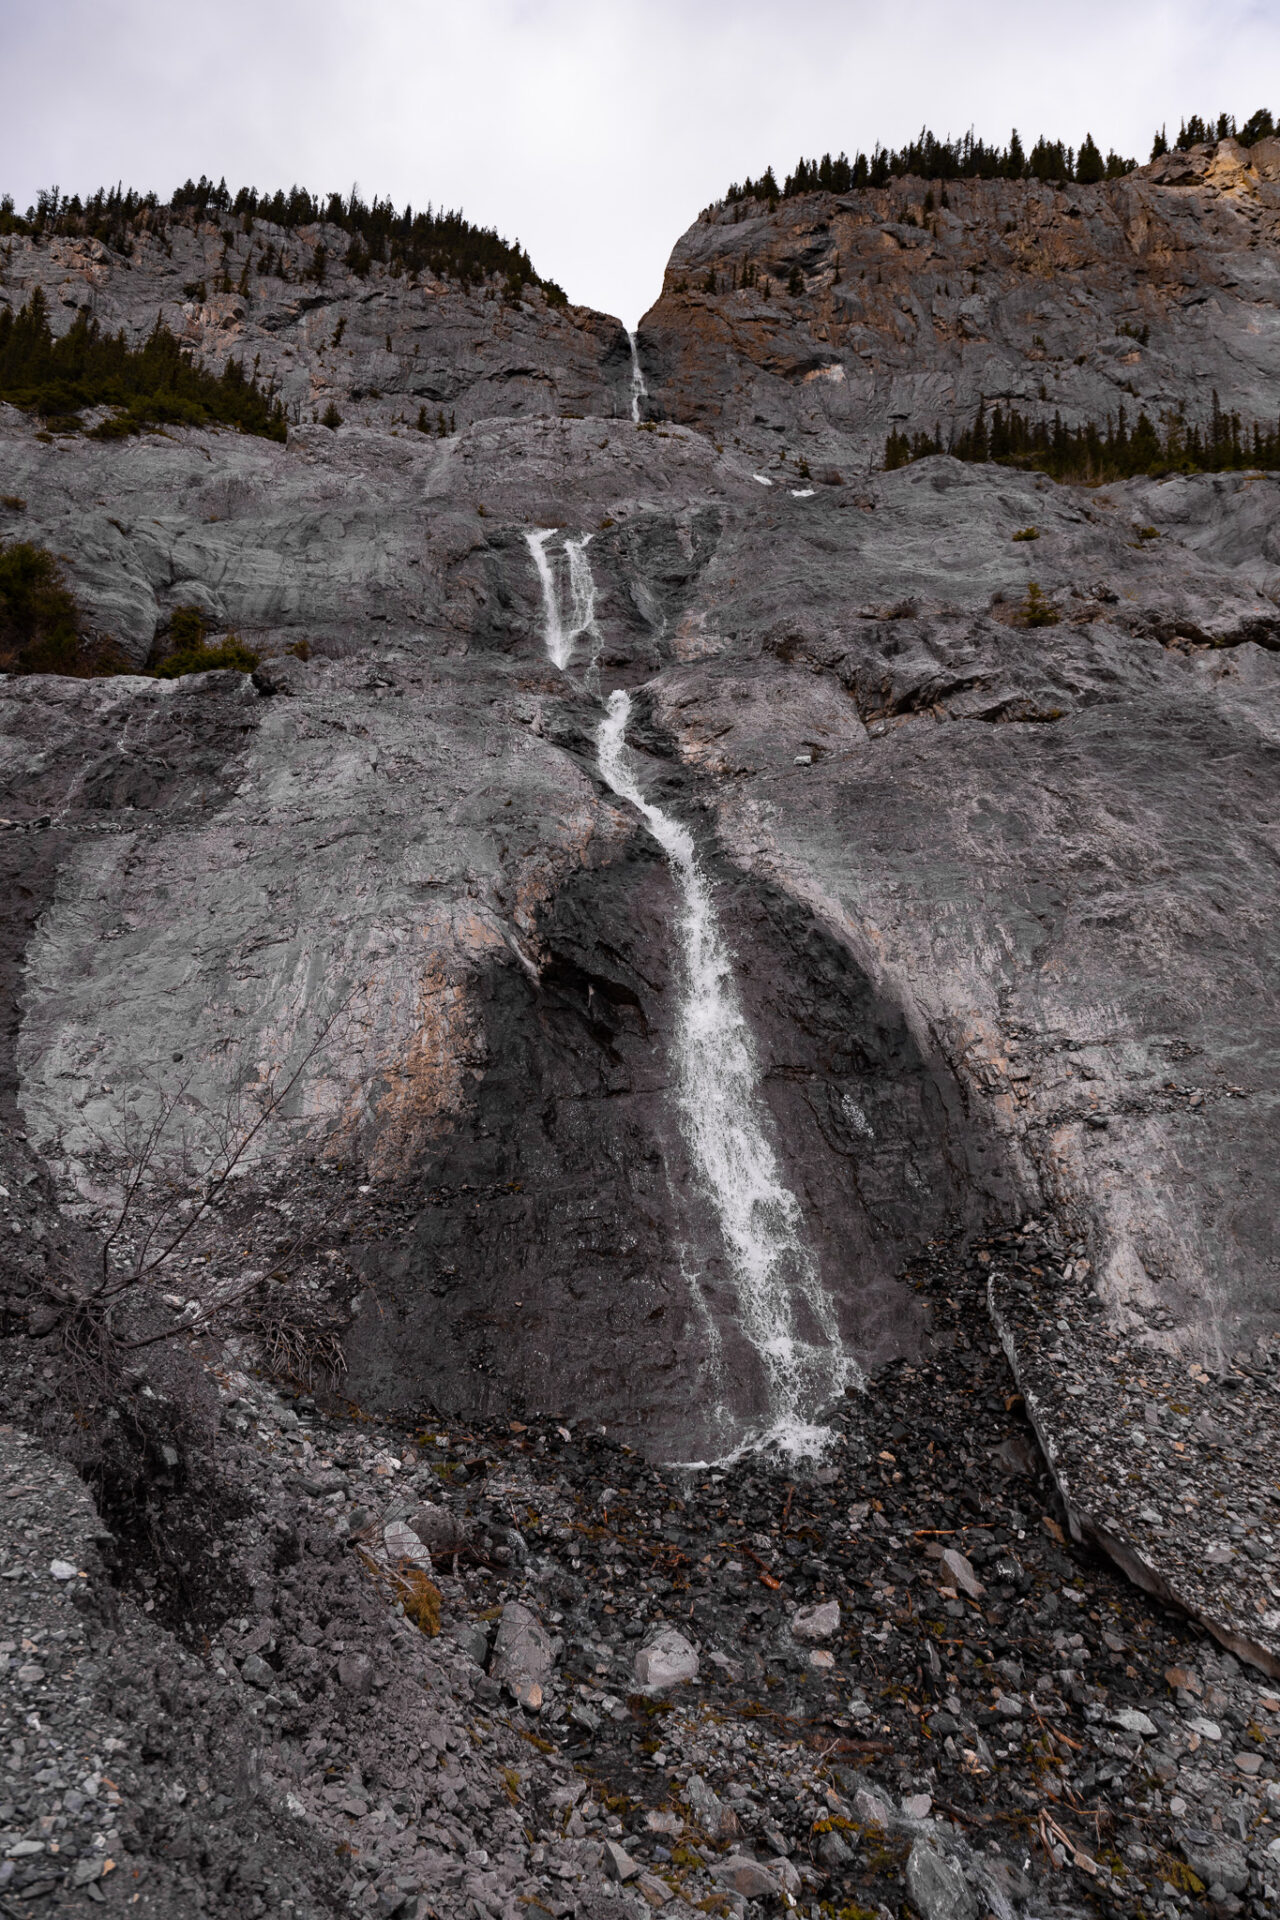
{"points": [[1015, 164], [1160, 145], [1259, 126], [1090, 166], [1049, 161]]}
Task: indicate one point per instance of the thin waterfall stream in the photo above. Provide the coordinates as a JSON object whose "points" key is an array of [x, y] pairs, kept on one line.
{"points": [[639, 391], [562, 635], [723, 1114]]}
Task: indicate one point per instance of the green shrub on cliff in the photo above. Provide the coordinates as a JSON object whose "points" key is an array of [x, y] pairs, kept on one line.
{"points": [[190, 654], [928, 158], [155, 384], [39, 620], [41, 627], [230, 652], [435, 241]]}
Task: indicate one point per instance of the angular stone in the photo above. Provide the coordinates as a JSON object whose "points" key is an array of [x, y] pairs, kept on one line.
{"points": [[816, 1623], [618, 1863], [709, 1811], [659, 1821], [355, 1673], [402, 1543], [667, 1660], [523, 1657], [256, 1671], [1218, 1862], [1132, 1720], [960, 1572], [439, 1530], [937, 1884], [746, 1876], [834, 1851], [787, 1875], [873, 1807]]}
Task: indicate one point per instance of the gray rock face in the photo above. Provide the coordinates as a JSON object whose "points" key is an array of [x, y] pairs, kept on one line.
{"points": [[999, 894], [378, 346], [1152, 291]]}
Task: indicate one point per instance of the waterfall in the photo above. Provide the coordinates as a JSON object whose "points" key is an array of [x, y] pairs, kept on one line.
{"points": [[724, 1120], [639, 391], [553, 629], [560, 634]]}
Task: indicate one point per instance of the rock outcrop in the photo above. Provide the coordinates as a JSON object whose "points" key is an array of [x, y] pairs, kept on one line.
{"points": [[379, 346], [988, 820], [919, 301]]}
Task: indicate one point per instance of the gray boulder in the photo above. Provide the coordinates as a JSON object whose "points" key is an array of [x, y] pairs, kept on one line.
{"points": [[442, 1532], [812, 1624], [523, 1655], [938, 1885], [666, 1660], [1218, 1862]]}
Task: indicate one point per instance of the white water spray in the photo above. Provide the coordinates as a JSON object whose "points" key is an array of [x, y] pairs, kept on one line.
{"points": [[639, 391], [718, 1092], [561, 633]]}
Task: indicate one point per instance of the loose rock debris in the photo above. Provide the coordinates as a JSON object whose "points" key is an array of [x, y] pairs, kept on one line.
{"points": [[1145, 1444], [890, 1683]]}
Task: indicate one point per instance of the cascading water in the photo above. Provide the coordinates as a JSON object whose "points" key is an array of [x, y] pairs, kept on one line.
{"points": [[561, 635], [718, 1091], [718, 1086], [639, 391]]}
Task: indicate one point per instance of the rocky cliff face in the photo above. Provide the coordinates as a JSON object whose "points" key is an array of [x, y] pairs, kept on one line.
{"points": [[378, 345], [915, 303], [999, 890]]}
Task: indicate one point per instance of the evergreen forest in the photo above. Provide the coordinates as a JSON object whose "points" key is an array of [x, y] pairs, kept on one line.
{"points": [[969, 158], [1092, 454], [441, 243], [155, 384]]}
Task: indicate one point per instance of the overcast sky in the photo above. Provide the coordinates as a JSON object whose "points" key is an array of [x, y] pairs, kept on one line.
{"points": [[592, 130]]}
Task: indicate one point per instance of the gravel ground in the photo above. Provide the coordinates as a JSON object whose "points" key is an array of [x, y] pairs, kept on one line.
{"points": [[305, 1663]]}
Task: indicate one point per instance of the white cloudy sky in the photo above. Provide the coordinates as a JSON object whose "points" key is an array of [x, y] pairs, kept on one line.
{"points": [[592, 130]]}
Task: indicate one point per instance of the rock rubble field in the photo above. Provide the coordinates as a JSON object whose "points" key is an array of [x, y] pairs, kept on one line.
{"points": [[515, 1667], [384, 1522]]}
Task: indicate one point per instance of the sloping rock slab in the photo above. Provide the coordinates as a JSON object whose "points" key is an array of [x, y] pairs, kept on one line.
{"points": [[1166, 1467]]}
